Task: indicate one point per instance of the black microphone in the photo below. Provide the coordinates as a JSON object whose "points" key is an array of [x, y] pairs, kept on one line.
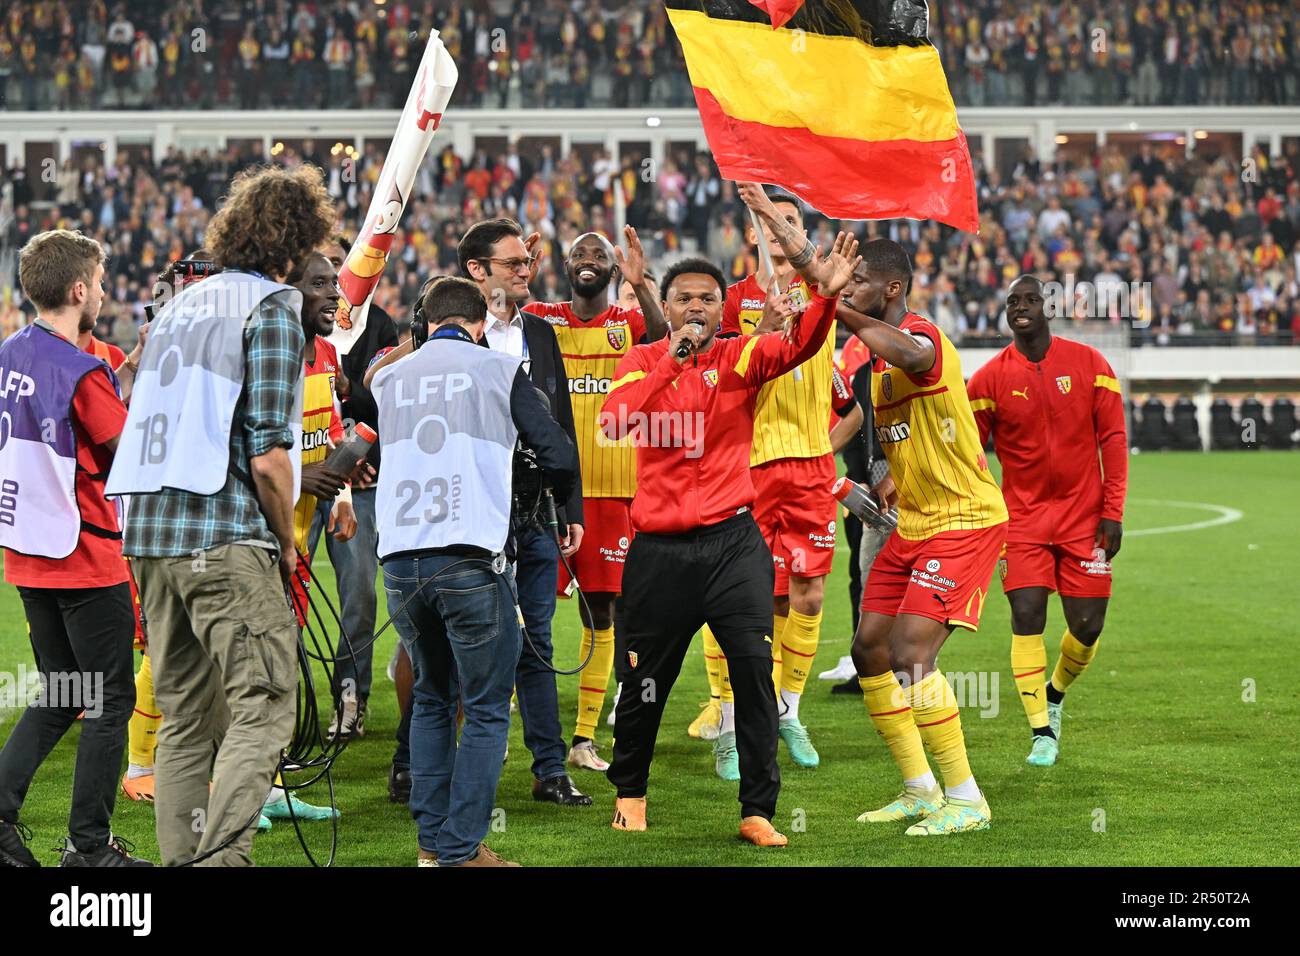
{"points": [[549, 517], [684, 347]]}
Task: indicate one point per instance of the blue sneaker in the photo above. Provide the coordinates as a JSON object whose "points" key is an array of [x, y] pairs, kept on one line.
{"points": [[726, 759], [1044, 751], [797, 741], [278, 809]]}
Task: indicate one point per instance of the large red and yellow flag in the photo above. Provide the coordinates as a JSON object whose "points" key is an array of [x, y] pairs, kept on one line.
{"points": [[846, 105]]}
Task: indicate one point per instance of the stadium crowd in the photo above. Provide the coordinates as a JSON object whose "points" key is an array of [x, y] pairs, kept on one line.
{"points": [[1211, 251], [55, 54]]}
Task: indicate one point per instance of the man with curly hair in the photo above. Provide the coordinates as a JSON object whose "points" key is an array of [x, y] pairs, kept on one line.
{"points": [[210, 456]]}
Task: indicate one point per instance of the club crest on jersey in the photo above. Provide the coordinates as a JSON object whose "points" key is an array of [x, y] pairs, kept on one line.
{"points": [[711, 377], [1063, 383], [632, 659], [1002, 568], [618, 337], [887, 386]]}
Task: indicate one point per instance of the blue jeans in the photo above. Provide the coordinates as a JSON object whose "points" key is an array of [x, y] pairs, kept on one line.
{"points": [[355, 565], [463, 637], [537, 565]]}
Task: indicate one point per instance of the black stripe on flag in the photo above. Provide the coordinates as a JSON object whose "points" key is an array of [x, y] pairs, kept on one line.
{"points": [[875, 22]]}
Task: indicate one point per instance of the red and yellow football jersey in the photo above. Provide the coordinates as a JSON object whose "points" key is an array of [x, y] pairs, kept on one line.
{"points": [[1058, 430], [927, 430], [591, 351], [320, 425], [792, 409]]}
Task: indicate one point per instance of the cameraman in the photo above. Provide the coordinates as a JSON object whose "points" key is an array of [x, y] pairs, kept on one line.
{"points": [[450, 416]]}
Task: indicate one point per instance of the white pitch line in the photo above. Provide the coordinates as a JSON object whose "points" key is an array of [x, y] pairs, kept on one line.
{"points": [[1225, 516]]}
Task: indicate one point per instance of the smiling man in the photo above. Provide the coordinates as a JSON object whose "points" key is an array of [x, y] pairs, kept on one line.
{"points": [[318, 283], [1056, 415], [594, 336]]}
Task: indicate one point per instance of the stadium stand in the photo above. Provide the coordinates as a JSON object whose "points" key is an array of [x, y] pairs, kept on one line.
{"points": [[603, 53], [1215, 259]]}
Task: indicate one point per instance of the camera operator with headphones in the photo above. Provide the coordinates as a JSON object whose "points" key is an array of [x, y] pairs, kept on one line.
{"points": [[450, 417]]}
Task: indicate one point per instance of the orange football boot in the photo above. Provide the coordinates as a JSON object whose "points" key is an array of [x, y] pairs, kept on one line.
{"points": [[629, 813], [760, 832]]}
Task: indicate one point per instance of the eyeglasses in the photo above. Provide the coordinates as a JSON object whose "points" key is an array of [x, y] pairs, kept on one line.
{"points": [[512, 265]]}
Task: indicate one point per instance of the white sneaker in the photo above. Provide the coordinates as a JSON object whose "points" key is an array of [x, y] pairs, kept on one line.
{"points": [[614, 706], [584, 755], [349, 720], [841, 671]]}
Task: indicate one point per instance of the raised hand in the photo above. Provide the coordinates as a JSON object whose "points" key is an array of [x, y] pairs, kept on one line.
{"points": [[834, 270], [631, 263]]}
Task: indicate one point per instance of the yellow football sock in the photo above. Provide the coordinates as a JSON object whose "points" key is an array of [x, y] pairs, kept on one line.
{"points": [[714, 658], [142, 729], [1029, 668], [778, 635], [713, 663], [892, 716], [1074, 660], [798, 648], [594, 679], [934, 707]]}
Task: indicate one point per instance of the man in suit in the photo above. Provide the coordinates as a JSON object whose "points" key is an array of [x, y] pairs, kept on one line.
{"points": [[493, 254]]}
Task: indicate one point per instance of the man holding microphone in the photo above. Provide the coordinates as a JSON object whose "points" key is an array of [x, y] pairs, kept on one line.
{"points": [[450, 416], [698, 557]]}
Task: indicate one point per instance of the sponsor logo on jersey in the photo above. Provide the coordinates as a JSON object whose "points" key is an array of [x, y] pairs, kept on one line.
{"points": [[887, 386], [617, 336], [588, 384], [1098, 565], [899, 431], [1063, 383], [315, 438], [623, 543], [711, 377], [932, 565], [932, 581]]}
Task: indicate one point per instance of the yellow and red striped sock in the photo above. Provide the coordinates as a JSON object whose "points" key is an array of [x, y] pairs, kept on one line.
{"points": [[1029, 668], [1074, 660], [934, 707], [594, 679], [142, 728], [892, 715]]}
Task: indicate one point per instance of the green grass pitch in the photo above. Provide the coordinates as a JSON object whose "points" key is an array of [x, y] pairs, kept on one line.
{"points": [[1176, 745]]}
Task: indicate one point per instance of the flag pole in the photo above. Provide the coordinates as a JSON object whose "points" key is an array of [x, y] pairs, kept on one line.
{"points": [[764, 253]]}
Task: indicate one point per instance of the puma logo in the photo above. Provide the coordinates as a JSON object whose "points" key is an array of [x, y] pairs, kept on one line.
{"points": [[1029, 693], [1023, 394], [767, 638]]}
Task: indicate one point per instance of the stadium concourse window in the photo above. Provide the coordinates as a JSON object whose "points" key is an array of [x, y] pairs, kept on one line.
{"points": [[302, 55]]}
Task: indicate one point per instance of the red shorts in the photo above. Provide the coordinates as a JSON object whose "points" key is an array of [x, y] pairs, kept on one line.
{"points": [[796, 515], [1072, 569], [606, 534], [945, 577]]}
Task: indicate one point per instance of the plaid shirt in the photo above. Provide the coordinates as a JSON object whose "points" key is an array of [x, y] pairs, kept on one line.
{"points": [[172, 523]]}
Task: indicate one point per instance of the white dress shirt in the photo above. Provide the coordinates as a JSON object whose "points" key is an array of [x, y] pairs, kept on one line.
{"points": [[507, 335]]}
